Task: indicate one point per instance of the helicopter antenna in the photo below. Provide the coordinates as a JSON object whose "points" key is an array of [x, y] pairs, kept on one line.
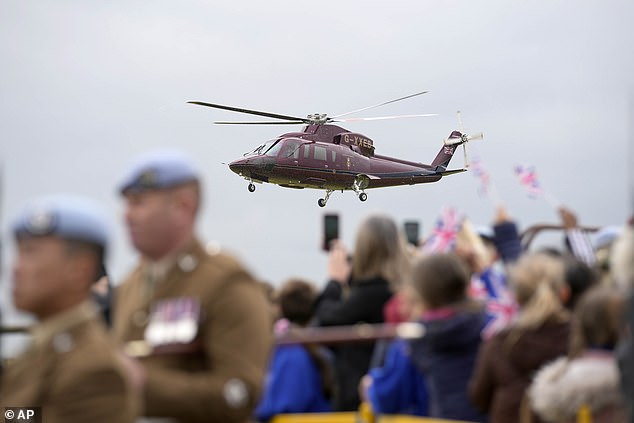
{"points": [[381, 104]]}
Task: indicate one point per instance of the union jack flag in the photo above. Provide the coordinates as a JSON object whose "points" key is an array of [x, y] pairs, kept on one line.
{"points": [[443, 236], [491, 287], [528, 178], [482, 174]]}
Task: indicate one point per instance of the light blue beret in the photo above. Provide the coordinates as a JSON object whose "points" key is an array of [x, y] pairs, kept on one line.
{"points": [[158, 170], [63, 216]]}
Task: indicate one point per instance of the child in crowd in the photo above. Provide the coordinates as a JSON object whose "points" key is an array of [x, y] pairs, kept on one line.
{"points": [[300, 376], [453, 324], [398, 387]]}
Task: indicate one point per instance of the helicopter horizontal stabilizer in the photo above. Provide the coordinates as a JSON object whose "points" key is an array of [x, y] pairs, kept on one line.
{"points": [[452, 172]]}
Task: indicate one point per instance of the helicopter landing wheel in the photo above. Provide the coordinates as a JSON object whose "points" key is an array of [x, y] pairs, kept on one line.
{"points": [[363, 196], [251, 187], [322, 201]]}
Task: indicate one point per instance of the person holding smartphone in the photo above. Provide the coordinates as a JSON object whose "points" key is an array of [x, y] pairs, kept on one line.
{"points": [[356, 293]]}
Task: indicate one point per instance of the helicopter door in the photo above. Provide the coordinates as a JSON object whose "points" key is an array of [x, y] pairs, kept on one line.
{"points": [[291, 152]]}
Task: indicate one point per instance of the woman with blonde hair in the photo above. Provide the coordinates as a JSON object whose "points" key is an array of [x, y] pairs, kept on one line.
{"points": [[507, 362], [589, 377], [357, 292]]}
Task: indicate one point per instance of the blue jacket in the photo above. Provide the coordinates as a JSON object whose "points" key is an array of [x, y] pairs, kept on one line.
{"points": [[398, 387], [293, 385], [446, 355]]}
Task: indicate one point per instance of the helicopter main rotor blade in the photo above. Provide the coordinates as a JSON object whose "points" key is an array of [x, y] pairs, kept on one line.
{"points": [[282, 122], [251, 112], [382, 104], [383, 117]]}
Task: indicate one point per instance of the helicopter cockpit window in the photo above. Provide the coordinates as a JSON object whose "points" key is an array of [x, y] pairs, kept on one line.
{"points": [[291, 149], [261, 149], [273, 149]]}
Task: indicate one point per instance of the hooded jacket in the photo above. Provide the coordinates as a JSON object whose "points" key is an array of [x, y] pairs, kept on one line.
{"points": [[446, 355], [562, 387]]}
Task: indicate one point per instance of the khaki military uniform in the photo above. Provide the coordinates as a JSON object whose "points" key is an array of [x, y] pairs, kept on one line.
{"points": [[214, 375], [71, 371]]}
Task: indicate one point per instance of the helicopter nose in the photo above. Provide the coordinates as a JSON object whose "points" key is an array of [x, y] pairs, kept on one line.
{"points": [[240, 167], [245, 167]]}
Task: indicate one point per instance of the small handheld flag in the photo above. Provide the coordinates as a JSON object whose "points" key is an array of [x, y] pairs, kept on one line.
{"points": [[528, 178], [443, 236], [486, 182]]}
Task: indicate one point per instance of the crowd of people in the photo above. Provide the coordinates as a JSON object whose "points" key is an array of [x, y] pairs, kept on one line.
{"points": [[510, 335]]}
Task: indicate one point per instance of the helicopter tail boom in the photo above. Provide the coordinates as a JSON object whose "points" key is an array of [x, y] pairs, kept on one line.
{"points": [[442, 159], [448, 149]]}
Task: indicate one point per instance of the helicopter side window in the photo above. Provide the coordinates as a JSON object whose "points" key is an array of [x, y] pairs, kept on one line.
{"points": [[320, 153], [334, 156], [306, 151]]}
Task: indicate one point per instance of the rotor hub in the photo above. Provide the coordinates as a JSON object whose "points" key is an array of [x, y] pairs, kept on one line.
{"points": [[318, 118]]}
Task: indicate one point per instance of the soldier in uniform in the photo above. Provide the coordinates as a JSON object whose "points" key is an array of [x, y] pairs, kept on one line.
{"points": [[203, 316], [70, 370]]}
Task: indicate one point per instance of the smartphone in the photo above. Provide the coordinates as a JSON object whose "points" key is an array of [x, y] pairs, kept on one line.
{"points": [[331, 230], [412, 232]]}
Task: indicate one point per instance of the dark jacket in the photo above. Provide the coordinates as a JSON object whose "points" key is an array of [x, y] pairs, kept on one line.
{"points": [[506, 367], [364, 304], [507, 241], [446, 355]]}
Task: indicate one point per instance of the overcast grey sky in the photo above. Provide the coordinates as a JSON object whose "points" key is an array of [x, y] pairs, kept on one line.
{"points": [[87, 85]]}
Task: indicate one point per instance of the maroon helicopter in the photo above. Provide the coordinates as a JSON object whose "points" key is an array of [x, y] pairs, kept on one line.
{"points": [[327, 157]]}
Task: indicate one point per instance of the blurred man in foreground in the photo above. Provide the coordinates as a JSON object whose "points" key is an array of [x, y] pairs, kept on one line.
{"points": [[204, 317], [70, 370]]}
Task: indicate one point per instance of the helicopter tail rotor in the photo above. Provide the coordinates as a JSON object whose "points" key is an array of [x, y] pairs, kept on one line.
{"points": [[460, 138]]}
